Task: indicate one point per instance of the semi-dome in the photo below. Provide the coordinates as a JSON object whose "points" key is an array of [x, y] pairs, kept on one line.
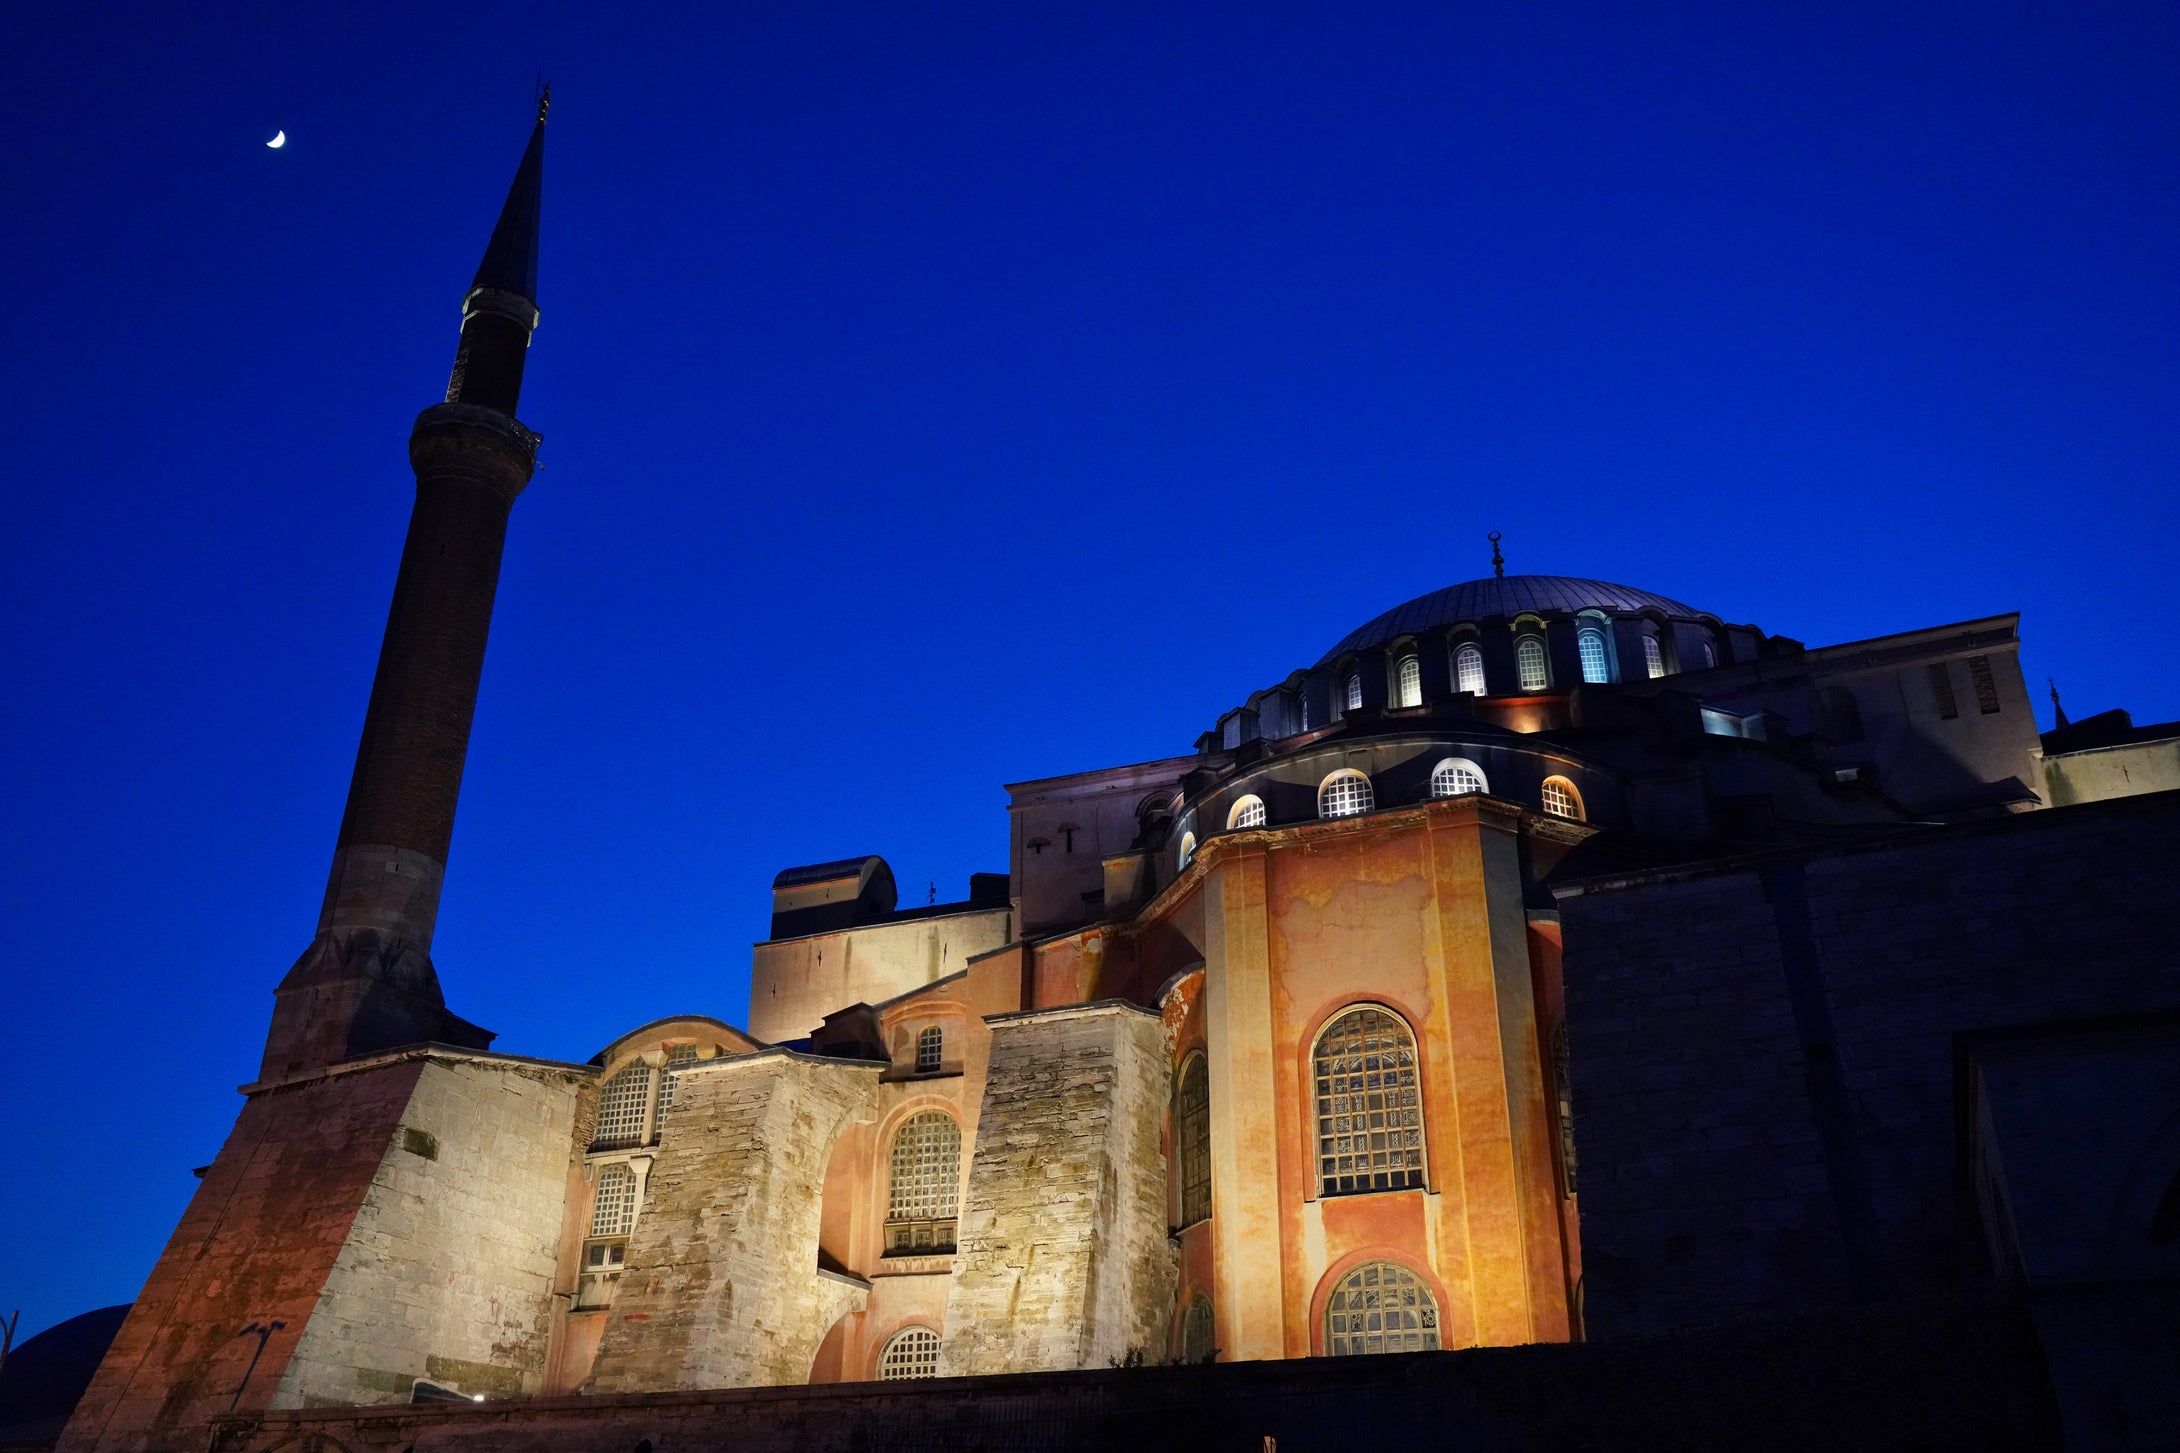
{"points": [[1502, 595]]}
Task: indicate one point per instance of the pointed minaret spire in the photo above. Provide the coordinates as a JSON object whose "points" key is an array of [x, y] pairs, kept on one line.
{"points": [[367, 983], [2057, 710]]}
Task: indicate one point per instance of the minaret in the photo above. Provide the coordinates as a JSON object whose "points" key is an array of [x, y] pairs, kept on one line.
{"points": [[366, 982]]}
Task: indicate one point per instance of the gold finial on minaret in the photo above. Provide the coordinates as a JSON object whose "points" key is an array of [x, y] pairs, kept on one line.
{"points": [[1498, 561]]}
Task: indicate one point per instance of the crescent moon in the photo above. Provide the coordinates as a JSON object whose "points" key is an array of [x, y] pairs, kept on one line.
{"points": [[278, 141]]}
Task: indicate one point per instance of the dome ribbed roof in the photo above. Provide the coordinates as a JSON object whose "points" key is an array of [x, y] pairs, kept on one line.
{"points": [[1505, 595]]}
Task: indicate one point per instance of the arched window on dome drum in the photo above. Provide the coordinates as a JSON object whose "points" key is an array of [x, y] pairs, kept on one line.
{"points": [[1380, 1307], [624, 1104], [1653, 657], [930, 1050], [1192, 1138], [1529, 665], [1468, 669], [1457, 777], [1186, 851], [1408, 682], [1199, 1340], [911, 1352], [1354, 691], [1590, 645], [1369, 1105], [1560, 798], [1710, 652], [1248, 812], [1346, 793], [1840, 714], [925, 1188]]}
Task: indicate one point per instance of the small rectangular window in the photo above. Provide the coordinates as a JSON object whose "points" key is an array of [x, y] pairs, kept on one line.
{"points": [[1979, 672], [1941, 686], [930, 1046]]}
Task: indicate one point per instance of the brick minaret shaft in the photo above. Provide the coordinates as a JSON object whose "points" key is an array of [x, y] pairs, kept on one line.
{"points": [[366, 982]]}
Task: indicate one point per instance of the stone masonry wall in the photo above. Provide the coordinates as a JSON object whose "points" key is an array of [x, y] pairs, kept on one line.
{"points": [[1764, 1056], [447, 1273], [722, 1287], [1064, 1260], [256, 1245]]}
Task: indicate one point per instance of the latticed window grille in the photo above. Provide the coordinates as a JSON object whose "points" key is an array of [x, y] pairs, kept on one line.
{"points": [[623, 1104], [1369, 1105], [1979, 676], [1590, 645], [678, 1059], [1408, 677], [1354, 691], [1559, 798], [1468, 670], [1529, 664], [613, 1202], [913, 1352], [1456, 777], [1381, 1307], [930, 1049], [1192, 1139], [1249, 812], [925, 1190], [1199, 1339], [1653, 657], [1345, 795]]}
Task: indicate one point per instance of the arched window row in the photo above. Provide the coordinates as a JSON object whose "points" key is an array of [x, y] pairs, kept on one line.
{"points": [[1349, 792], [1599, 642], [923, 1191], [909, 1353]]}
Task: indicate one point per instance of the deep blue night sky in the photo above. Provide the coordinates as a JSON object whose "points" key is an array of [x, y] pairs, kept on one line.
{"points": [[942, 396]]}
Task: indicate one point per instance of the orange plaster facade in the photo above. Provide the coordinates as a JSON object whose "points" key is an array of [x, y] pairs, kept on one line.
{"points": [[1419, 913]]}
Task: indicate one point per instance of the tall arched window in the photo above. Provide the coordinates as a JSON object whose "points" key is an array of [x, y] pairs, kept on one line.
{"points": [[1185, 851], [1199, 1342], [1840, 714], [910, 1352], [1380, 1306], [1346, 793], [624, 1104], [1710, 652], [1248, 812], [1529, 665], [1369, 1104], [1468, 669], [1354, 691], [1457, 777], [925, 1190], [1653, 657], [1590, 645], [1408, 682], [1560, 798], [930, 1050], [1192, 1138]]}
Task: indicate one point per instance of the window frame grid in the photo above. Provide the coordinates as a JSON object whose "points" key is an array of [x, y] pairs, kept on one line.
{"points": [[1365, 1296], [1653, 656], [624, 1107], [909, 1354], [930, 1049], [1192, 1138], [1529, 653], [1408, 680], [1367, 1078], [1589, 646], [1336, 799], [1468, 668], [1248, 812], [1569, 803]]}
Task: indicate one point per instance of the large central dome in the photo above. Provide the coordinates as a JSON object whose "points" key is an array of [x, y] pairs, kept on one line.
{"points": [[1504, 595]]}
